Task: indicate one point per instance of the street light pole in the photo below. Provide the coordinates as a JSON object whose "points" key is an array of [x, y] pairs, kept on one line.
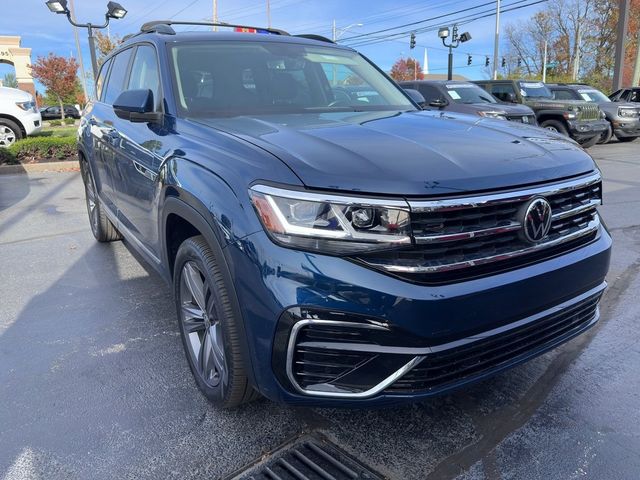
{"points": [[114, 10], [496, 44], [623, 19], [456, 40]]}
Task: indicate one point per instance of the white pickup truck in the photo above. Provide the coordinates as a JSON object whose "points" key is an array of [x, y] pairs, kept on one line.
{"points": [[19, 115]]}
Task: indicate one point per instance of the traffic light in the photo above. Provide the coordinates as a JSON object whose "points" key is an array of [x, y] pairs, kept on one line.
{"points": [[504, 62], [469, 59], [519, 62], [412, 42], [486, 62]]}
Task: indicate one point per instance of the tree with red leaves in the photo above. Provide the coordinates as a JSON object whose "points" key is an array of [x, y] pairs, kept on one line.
{"points": [[406, 69], [58, 75]]}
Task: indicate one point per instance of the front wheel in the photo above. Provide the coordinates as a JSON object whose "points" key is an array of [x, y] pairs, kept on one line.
{"points": [[555, 126], [591, 142], [9, 132], [606, 135], [208, 327]]}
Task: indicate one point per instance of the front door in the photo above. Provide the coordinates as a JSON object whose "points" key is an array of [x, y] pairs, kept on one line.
{"points": [[138, 157]]}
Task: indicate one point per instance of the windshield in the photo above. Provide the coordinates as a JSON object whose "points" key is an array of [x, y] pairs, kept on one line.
{"points": [[535, 90], [251, 78], [468, 93], [593, 95]]}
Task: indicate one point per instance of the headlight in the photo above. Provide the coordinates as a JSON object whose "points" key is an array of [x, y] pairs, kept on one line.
{"points": [[602, 114], [329, 223], [569, 115], [26, 106], [494, 114], [627, 112]]}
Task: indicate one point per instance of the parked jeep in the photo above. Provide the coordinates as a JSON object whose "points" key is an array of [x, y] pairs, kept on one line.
{"points": [[332, 246], [466, 97], [623, 117], [582, 121]]}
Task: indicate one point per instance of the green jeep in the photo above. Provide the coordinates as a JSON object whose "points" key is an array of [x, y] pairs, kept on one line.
{"points": [[581, 120]]}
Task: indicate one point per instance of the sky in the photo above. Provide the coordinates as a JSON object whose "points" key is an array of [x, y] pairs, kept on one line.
{"points": [[46, 32]]}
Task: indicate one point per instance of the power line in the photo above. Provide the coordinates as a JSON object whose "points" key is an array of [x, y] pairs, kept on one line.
{"points": [[460, 20]]}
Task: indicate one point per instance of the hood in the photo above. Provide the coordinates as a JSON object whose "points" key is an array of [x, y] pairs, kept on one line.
{"points": [[410, 153], [509, 108]]}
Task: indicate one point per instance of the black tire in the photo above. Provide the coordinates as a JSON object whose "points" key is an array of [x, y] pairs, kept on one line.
{"points": [[606, 135], [555, 126], [10, 132], [591, 142], [101, 227], [207, 324], [626, 139]]}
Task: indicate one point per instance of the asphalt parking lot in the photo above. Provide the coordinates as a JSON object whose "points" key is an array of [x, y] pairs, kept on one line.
{"points": [[94, 382]]}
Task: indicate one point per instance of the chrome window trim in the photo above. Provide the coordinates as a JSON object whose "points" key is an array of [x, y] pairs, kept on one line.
{"points": [[422, 206], [590, 228], [420, 353]]}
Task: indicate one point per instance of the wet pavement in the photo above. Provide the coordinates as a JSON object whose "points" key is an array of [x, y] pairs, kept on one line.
{"points": [[94, 383]]}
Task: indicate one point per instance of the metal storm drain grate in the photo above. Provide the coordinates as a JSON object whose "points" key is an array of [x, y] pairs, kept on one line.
{"points": [[311, 457]]}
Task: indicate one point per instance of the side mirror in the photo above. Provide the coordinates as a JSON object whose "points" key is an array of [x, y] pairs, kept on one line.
{"points": [[439, 103], [416, 96], [136, 106]]}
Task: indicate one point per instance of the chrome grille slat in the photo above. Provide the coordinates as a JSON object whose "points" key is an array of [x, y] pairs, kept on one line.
{"points": [[454, 234]]}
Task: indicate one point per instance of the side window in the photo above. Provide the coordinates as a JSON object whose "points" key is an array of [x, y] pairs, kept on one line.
{"points": [[563, 95], [145, 73], [501, 90], [430, 93], [115, 83], [100, 83]]}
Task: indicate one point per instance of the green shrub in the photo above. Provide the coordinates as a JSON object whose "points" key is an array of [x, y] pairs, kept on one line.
{"points": [[69, 121], [37, 149], [55, 123], [57, 132]]}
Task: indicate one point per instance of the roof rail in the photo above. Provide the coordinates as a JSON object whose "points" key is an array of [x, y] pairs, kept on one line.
{"points": [[164, 26], [313, 36]]}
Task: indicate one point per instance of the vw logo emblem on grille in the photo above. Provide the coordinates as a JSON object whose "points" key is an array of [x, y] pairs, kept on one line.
{"points": [[536, 220]]}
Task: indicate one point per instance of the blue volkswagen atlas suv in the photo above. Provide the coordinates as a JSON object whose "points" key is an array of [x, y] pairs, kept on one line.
{"points": [[334, 249]]}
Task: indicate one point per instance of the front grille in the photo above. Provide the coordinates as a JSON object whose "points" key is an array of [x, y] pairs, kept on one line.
{"points": [[457, 239], [589, 111], [445, 368]]}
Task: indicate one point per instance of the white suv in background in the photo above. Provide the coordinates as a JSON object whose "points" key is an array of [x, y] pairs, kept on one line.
{"points": [[19, 115]]}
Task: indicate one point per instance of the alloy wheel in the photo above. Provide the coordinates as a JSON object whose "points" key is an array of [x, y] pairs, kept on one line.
{"points": [[202, 327], [551, 129], [91, 199], [7, 136]]}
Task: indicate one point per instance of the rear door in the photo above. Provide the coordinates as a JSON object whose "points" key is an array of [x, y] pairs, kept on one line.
{"points": [[103, 127], [138, 157]]}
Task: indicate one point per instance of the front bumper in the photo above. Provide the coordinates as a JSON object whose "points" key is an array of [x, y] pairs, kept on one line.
{"points": [[626, 127], [585, 130], [32, 123], [423, 318]]}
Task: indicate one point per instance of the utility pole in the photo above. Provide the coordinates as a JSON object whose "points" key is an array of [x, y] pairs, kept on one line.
{"points": [[636, 69], [83, 75], [544, 63], [268, 14], [215, 15], [623, 19], [576, 56], [496, 44]]}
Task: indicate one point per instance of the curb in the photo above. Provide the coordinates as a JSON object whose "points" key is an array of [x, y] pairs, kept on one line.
{"points": [[66, 166]]}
